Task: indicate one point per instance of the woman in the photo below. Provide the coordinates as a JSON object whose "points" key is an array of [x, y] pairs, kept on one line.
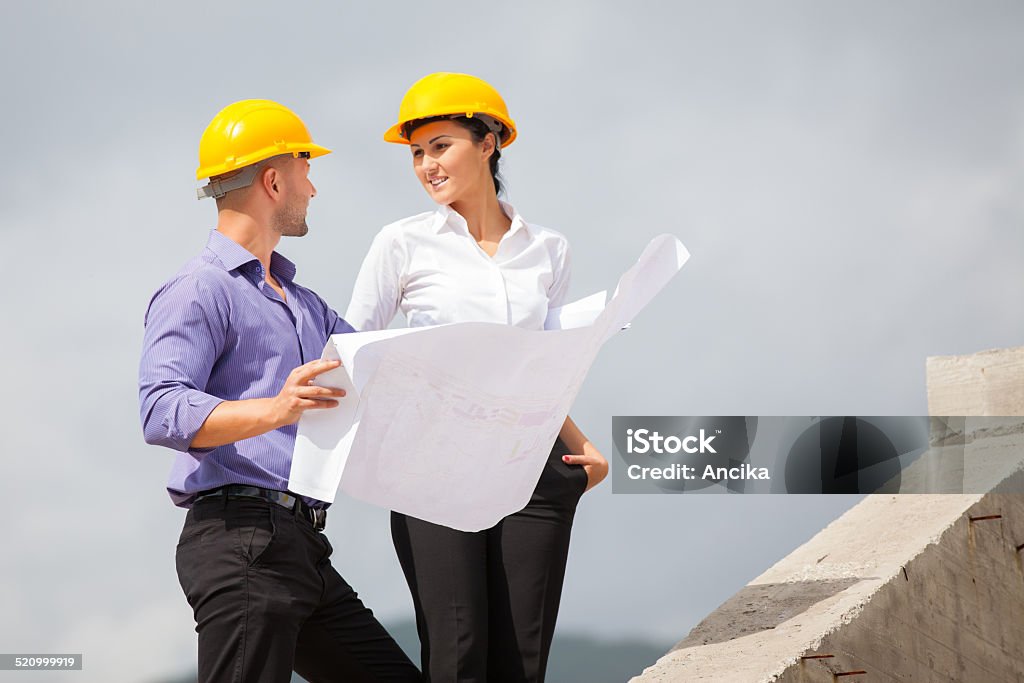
{"points": [[485, 602]]}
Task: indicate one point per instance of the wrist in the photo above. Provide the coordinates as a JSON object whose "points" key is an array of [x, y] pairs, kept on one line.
{"points": [[269, 417]]}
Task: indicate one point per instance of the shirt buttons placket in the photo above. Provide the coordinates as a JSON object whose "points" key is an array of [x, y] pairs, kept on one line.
{"points": [[500, 294]]}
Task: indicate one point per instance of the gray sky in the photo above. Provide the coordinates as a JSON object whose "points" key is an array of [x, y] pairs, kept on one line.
{"points": [[847, 177]]}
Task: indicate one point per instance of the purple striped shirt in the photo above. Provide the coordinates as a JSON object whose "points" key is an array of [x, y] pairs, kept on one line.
{"points": [[216, 331]]}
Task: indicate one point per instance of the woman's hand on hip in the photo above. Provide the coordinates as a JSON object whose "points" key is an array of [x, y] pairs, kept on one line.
{"points": [[593, 462]]}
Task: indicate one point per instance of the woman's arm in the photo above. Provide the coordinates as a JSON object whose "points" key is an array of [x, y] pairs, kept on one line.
{"points": [[377, 292], [591, 459]]}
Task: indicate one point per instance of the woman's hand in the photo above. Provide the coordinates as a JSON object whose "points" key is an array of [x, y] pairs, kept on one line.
{"points": [[593, 462]]}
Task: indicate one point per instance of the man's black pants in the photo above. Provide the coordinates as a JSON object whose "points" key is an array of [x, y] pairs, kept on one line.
{"points": [[486, 601], [267, 600]]}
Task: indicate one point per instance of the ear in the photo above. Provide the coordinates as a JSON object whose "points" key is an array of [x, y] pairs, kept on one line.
{"points": [[270, 181], [488, 144]]}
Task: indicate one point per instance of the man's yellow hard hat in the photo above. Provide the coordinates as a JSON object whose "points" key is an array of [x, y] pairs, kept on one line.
{"points": [[452, 94], [250, 131]]}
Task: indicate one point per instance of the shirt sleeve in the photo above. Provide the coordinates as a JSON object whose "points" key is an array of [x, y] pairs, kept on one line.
{"points": [[186, 327], [378, 288], [559, 291], [335, 324]]}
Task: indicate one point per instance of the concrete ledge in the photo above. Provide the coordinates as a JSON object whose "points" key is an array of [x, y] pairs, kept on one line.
{"points": [[909, 587], [985, 383], [905, 588]]}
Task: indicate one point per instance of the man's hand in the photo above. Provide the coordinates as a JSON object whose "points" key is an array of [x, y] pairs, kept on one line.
{"points": [[233, 421], [299, 394]]}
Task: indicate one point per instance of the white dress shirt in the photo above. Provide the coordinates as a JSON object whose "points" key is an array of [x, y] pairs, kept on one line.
{"points": [[431, 268]]}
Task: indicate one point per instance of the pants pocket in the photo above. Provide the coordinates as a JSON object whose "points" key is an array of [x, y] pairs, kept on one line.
{"points": [[256, 539], [560, 483], [581, 478]]}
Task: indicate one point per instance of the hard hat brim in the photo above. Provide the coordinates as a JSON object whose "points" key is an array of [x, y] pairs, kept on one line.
{"points": [[313, 149], [394, 133]]}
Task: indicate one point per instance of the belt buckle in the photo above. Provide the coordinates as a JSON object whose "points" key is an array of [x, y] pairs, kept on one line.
{"points": [[318, 517]]}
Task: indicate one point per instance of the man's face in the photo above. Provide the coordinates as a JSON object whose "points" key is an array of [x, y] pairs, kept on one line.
{"points": [[290, 218]]}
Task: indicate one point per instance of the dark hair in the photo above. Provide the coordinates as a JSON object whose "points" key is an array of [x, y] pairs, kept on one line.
{"points": [[477, 129]]}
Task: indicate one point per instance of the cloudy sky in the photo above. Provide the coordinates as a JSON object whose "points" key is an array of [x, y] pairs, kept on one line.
{"points": [[847, 176]]}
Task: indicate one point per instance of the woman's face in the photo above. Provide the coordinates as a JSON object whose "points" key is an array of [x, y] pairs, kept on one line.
{"points": [[449, 164]]}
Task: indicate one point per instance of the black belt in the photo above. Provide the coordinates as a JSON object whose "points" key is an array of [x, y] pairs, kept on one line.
{"points": [[316, 516]]}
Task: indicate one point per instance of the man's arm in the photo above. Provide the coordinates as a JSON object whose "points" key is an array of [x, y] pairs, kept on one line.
{"points": [[186, 327], [334, 323], [233, 421]]}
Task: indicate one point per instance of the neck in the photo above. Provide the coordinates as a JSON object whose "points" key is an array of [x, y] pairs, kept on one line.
{"points": [[251, 232], [484, 216]]}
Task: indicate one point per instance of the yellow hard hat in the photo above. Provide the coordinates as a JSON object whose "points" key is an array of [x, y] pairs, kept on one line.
{"points": [[250, 131], [444, 93]]}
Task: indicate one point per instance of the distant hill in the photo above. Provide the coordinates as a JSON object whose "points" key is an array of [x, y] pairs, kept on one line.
{"points": [[582, 659], [574, 658]]}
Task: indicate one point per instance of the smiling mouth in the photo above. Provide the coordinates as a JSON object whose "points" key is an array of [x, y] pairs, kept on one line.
{"points": [[438, 182]]}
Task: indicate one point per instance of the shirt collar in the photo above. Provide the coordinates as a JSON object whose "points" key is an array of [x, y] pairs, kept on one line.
{"points": [[281, 267], [445, 216], [517, 221], [233, 255]]}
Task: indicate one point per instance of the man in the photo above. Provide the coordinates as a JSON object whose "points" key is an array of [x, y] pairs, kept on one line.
{"points": [[228, 362]]}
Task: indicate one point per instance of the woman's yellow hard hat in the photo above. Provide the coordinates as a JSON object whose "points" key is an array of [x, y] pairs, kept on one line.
{"points": [[249, 131], [451, 94]]}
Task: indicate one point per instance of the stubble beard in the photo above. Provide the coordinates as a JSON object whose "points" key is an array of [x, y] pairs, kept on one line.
{"points": [[290, 221]]}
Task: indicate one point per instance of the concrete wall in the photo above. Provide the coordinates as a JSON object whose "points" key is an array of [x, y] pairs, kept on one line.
{"points": [[986, 383], [900, 588]]}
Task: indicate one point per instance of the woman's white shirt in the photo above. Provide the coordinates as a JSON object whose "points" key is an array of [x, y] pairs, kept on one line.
{"points": [[431, 268]]}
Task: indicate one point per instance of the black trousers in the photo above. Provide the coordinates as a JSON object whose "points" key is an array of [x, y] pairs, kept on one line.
{"points": [[486, 601], [267, 600]]}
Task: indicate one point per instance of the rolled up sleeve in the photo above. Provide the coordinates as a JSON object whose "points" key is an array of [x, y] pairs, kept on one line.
{"points": [[186, 327]]}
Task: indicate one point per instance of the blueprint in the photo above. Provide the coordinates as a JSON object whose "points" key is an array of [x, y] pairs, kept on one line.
{"points": [[434, 427]]}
